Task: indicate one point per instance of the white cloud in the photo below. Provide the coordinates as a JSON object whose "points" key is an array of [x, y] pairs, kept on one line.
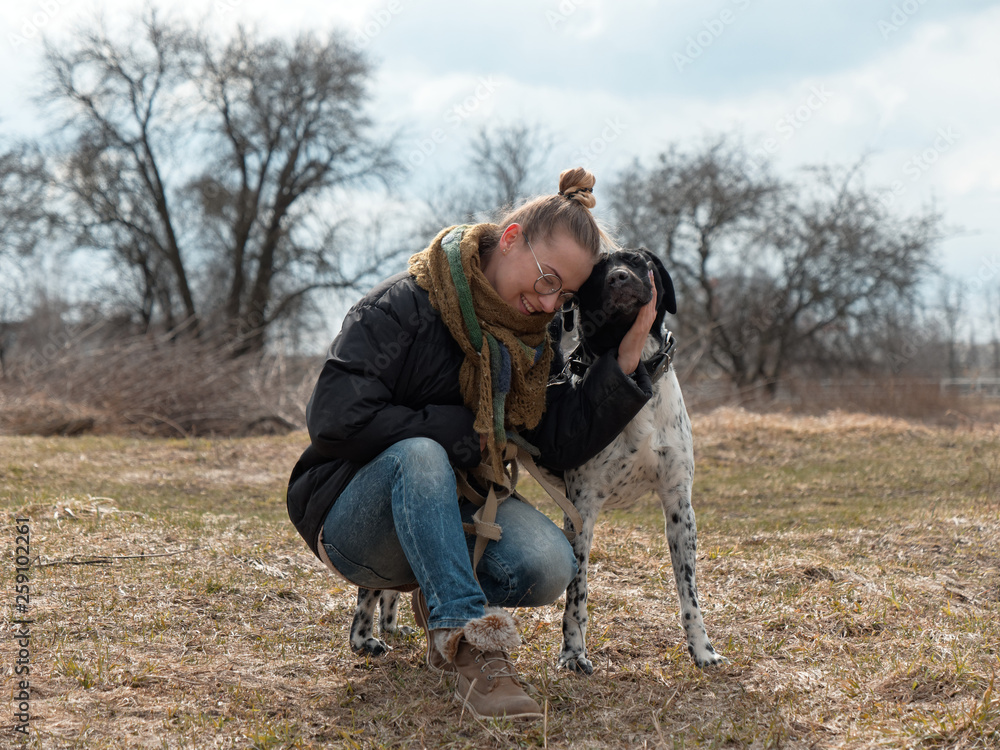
{"points": [[603, 80], [924, 111]]}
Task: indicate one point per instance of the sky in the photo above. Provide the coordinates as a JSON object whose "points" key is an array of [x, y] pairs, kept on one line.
{"points": [[911, 86]]}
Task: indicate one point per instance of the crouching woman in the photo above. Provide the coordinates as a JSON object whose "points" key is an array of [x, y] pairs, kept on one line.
{"points": [[434, 372]]}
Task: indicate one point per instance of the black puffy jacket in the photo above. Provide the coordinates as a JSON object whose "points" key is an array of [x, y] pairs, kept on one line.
{"points": [[392, 373]]}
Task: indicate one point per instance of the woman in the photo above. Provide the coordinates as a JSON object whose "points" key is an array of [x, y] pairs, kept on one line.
{"points": [[438, 371]]}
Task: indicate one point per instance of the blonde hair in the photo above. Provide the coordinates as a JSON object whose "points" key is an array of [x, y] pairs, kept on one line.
{"points": [[569, 210]]}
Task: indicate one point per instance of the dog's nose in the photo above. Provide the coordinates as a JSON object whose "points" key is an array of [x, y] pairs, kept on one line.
{"points": [[619, 276]]}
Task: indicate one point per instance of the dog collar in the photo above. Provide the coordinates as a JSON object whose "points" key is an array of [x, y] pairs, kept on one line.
{"points": [[660, 361], [656, 365]]}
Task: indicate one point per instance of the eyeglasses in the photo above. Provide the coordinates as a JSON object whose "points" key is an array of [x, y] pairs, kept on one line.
{"points": [[548, 283]]}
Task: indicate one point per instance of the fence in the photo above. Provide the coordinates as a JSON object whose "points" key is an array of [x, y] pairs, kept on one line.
{"points": [[985, 387]]}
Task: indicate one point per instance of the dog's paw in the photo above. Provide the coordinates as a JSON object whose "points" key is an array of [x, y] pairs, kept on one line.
{"points": [[713, 660], [370, 647], [402, 631], [576, 663], [706, 656]]}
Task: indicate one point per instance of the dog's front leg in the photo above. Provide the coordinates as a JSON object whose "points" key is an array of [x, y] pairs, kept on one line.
{"points": [[574, 649], [682, 536], [363, 640], [388, 620]]}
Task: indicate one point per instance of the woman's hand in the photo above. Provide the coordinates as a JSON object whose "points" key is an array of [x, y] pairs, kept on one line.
{"points": [[630, 349]]}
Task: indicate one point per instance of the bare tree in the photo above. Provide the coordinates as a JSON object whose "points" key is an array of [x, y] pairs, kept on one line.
{"points": [[24, 220], [506, 164], [772, 274], [991, 300], [508, 161], [845, 262], [698, 211], [951, 301], [23, 186], [210, 169]]}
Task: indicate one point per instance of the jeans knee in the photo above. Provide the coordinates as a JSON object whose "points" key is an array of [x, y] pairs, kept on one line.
{"points": [[422, 457], [562, 568], [545, 574], [422, 452]]}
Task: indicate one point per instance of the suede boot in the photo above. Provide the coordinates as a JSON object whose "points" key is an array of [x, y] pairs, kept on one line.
{"points": [[435, 661], [487, 683]]}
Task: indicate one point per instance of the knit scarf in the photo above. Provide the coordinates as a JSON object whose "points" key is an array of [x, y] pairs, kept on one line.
{"points": [[507, 353]]}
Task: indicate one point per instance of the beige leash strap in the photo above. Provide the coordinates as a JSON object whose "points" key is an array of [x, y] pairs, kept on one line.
{"points": [[486, 527], [484, 522], [555, 493]]}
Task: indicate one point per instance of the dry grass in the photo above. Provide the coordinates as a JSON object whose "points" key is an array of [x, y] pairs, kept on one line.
{"points": [[906, 397], [153, 386], [848, 568]]}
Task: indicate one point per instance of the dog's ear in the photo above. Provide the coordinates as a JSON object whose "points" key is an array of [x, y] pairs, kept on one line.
{"points": [[665, 298], [568, 315], [555, 335], [555, 327], [590, 295]]}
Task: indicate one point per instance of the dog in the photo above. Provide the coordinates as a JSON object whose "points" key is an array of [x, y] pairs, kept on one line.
{"points": [[654, 453]]}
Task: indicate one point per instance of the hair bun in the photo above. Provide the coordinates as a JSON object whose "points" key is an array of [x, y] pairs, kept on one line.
{"points": [[578, 185]]}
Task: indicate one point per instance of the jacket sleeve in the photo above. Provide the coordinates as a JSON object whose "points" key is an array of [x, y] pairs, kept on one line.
{"points": [[351, 413], [582, 418]]}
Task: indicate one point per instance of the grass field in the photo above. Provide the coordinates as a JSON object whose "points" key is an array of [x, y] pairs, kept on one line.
{"points": [[849, 568]]}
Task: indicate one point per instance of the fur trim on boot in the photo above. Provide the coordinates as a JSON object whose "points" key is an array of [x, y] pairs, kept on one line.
{"points": [[494, 631]]}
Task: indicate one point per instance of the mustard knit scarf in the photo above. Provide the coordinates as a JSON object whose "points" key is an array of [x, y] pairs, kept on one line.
{"points": [[507, 353]]}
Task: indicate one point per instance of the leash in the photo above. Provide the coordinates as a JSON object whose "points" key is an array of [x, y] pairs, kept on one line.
{"points": [[484, 521], [557, 495], [518, 451]]}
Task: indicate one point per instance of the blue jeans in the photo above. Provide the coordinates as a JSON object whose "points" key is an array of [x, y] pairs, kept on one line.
{"points": [[399, 521]]}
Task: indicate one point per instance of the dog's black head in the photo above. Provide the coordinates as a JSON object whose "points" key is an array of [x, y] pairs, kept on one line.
{"points": [[618, 287]]}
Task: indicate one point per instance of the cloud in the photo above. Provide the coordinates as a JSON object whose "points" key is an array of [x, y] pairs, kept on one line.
{"points": [[604, 78]]}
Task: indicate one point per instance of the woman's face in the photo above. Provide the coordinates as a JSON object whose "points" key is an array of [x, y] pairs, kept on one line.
{"points": [[512, 269]]}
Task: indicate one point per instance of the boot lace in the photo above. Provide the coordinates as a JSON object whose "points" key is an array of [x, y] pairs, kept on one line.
{"points": [[490, 660]]}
